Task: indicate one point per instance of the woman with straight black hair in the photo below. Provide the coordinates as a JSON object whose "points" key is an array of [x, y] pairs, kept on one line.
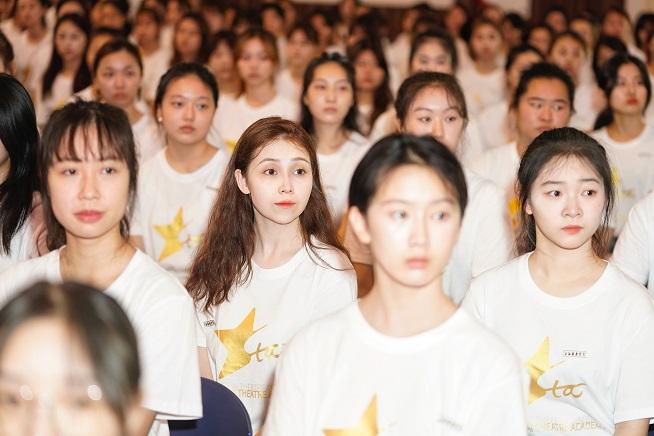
{"points": [[623, 131], [403, 359], [582, 328], [19, 139], [92, 374]]}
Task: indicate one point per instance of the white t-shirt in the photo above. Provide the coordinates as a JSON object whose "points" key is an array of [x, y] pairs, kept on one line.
{"points": [[632, 165], [31, 59], [340, 376], [155, 65], [500, 166], [11, 31], [246, 335], [336, 171], [481, 90], [148, 137], [234, 116], [589, 357], [585, 107], [634, 251], [22, 247], [172, 209], [162, 314], [287, 86], [60, 93], [494, 121]]}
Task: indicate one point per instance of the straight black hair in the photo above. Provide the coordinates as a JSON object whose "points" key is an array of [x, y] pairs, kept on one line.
{"points": [[6, 51], [20, 137], [543, 70], [610, 42], [516, 51], [440, 36], [115, 46], [184, 69]]}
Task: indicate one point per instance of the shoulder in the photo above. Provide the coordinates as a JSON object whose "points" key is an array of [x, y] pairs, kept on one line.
{"points": [[499, 280], [327, 331], [327, 257], [480, 188], [23, 274], [152, 164], [147, 280]]}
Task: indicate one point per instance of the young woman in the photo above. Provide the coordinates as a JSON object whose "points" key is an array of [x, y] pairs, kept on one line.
{"points": [[88, 169], [373, 93], [91, 381], [329, 114], [301, 48], [376, 365], [541, 36], [223, 65], [117, 78], [270, 262], [432, 104], [178, 185], [483, 81], [67, 73], [191, 40], [257, 61], [583, 329], [20, 214], [156, 58], [33, 47], [624, 133]]}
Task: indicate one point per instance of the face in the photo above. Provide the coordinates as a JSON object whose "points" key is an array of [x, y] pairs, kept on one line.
{"points": [[62, 397], [541, 39], [454, 20], [584, 29], [557, 21], [566, 201], [512, 35], [329, 96], [629, 94], [29, 13], [118, 79], [485, 42], [521, 63], [544, 106], [279, 181], [221, 62], [569, 55], [368, 74], [613, 25], [272, 22], [188, 39], [300, 50], [96, 43], [431, 56], [411, 226], [433, 113], [174, 12], [89, 197], [71, 8], [112, 17], [255, 65], [187, 111], [70, 41], [146, 29]]}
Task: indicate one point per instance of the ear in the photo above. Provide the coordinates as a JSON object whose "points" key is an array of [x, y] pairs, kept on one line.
{"points": [[359, 225], [241, 182], [528, 208], [158, 114], [398, 125]]}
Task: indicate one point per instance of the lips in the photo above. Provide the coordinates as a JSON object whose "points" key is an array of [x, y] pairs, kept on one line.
{"points": [[89, 216], [632, 101], [572, 229], [187, 129], [417, 262], [285, 204]]}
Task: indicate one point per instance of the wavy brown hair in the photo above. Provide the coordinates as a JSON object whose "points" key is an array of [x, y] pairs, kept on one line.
{"points": [[224, 258]]}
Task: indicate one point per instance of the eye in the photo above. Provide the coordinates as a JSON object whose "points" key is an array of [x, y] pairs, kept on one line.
{"points": [[440, 216], [270, 172], [558, 107], [536, 104], [451, 118], [554, 193], [177, 104], [301, 171], [69, 172], [399, 214], [425, 119], [108, 170], [202, 106], [589, 193]]}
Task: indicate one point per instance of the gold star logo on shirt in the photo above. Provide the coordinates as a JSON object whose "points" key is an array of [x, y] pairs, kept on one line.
{"points": [[234, 340], [170, 233], [538, 365], [367, 425]]}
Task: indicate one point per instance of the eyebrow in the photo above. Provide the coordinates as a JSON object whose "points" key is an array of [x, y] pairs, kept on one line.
{"points": [[422, 108], [320, 79], [295, 159], [404, 202], [557, 100], [190, 98], [557, 182]]}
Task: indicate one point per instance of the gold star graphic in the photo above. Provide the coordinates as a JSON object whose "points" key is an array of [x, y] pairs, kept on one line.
{"points": [[170, 233], [367, 425], [234, 340], [538, 365]]}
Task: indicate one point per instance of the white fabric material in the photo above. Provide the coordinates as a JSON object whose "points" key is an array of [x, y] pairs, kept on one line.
{"points": [[634, 251], [585, 107], [172, 209], [22, 247], [148, 137], [589, 356], [336, 171], [31, 59], [632, 164], [481, 90], [234, 116], [342, 375], [155, 65], [288, 87], [494, 122], [246, 335], [162, 314], [62, 90]]}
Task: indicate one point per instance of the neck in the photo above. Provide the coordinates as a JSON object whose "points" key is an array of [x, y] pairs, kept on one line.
{"points": [[71, 66], [485, 66], [626, 127], [149, 47], [261, 94], [186, 158], [231, 86], [35, 33], [400, 311], [133, 114], [297, 72], [329, 137], [521, 144], [275, 243], [366, 98]]}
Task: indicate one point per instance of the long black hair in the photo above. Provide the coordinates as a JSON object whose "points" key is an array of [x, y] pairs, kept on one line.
{"points": [[83, 75], [20, 137]]}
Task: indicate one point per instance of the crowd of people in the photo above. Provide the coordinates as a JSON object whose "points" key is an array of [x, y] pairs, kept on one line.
{"points": [[449, 232]]}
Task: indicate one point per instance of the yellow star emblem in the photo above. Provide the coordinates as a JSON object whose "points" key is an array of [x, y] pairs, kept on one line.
{"points": [[234, 340], [538, 365], [170, 233], [367, 425]]}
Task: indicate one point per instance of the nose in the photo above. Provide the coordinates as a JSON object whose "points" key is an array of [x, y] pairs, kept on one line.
{"points": [[418, 231], [120, 81], [43, 421], [330, 94], [286, 185], [89, 187], [572, 208], [545, 113], [189, 112], [437, 128]]}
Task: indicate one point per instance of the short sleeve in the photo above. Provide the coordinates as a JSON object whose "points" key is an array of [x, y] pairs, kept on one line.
{"points": [[631, 252], [336, 289]]}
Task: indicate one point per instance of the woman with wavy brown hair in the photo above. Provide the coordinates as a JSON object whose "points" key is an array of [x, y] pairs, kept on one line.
{"points": [[269, 262]]}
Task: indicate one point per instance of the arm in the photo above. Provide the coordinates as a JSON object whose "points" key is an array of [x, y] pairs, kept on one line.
{"points": [[637, 427], [203, 361], [140, 422]]}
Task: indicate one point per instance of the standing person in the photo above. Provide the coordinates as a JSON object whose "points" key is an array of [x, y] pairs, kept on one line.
{"points": [[583, 329], [20, 212], [543, 100], [270, 262], [340, 374], [329, 114], [178, 185], [257, 61], [117, 78], [88, 169], [625, 134]]}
